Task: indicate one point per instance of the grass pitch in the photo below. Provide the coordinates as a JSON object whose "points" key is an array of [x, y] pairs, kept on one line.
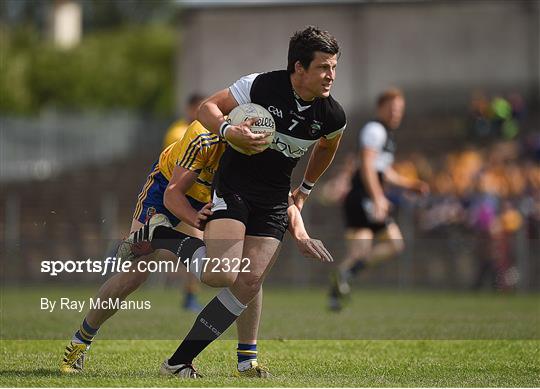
{"points": [[382, 338]]}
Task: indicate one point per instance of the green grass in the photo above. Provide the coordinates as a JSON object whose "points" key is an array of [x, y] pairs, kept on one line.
{"points": [[308, 363], [383, 338]]}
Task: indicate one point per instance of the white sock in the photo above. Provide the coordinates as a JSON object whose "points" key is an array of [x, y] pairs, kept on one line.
{"points": [[245, 365]]}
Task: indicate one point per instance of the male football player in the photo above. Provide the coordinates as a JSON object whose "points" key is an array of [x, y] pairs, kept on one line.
{"points": [[367, 210], [250, 198]]}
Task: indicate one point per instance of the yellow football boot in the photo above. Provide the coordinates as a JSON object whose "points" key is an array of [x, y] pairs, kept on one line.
{"points": [[73, 361], [255, 371]]}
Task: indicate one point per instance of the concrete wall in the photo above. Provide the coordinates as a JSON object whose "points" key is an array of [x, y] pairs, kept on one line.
{"points": [[436, 51]]}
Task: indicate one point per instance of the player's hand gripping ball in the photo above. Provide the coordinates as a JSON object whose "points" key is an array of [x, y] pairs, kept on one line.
{"points": [[264, 125]]}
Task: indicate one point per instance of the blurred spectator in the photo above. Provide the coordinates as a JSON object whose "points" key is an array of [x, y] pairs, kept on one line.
{"points": [[532, 146], [499, 118], [519, 108], [479, 112]]}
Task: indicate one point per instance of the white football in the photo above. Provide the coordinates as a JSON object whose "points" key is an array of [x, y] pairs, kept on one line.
{"points": [[265, 125]]}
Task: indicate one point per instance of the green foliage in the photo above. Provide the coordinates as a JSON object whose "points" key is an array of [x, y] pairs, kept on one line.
{"points": [[131, 67]]}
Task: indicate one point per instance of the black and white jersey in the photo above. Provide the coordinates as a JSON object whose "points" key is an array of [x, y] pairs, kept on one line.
{"points": [[374, 135], [299, 124]]}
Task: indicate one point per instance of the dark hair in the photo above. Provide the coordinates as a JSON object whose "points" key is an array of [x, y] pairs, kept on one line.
{"points": [[305, 43], [389, 94], [195, 98]]}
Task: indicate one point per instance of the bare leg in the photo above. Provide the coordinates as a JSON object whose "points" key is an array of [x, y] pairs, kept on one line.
{"points": [[120, 286], [388, 248], [262, 253], [359, 243], [247, 323]]}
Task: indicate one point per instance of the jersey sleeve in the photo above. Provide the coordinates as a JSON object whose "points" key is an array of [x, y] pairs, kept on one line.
{"points": [[335, 133], [337, 119], [241, 89], [192, 155], [372, 136]]}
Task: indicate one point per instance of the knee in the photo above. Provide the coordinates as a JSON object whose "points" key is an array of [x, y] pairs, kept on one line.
{"points": [[249, 286]]}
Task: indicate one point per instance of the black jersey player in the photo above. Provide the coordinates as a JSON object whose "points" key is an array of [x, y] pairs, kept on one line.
{"points": [[366, 208], [252, 192]]}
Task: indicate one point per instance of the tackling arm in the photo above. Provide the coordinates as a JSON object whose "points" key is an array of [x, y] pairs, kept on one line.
{"points": [[176, 201]]}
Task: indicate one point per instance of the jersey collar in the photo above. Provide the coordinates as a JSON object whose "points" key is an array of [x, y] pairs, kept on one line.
{"points": [[301, 105]]}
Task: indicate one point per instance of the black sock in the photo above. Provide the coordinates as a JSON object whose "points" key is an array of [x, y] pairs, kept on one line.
{"points": [[214, 319], [180, 244], [357, 267]]}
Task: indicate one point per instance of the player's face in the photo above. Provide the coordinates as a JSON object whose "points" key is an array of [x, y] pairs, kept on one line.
{"points": [[391, 112], [320, 75]]}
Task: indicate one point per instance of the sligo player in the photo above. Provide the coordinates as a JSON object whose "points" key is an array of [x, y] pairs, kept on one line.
{"points": [[367, 210], [251, 192]]}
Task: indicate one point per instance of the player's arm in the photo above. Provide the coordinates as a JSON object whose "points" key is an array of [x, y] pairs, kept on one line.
{"points": [[212, 113], [394, 178], [368, 174], [321, 157], [310, 248], [176, 201]]}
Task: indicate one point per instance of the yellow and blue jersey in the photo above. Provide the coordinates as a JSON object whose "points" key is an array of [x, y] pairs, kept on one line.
{"points": [[199, 151]]}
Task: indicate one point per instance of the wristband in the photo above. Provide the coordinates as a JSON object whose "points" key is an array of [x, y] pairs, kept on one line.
{"points": [[306, 186], [224, 128]]}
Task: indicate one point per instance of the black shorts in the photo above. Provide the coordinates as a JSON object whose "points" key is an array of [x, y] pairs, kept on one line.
{"points": [[260, 219], [357, 216]]}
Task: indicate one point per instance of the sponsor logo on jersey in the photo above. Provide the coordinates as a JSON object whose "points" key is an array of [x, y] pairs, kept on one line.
{"points": [[287, 148], [299, 117], [275, 111]]}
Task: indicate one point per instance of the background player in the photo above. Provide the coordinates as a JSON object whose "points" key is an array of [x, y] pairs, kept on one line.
{"points": [[366, 208], [251, 196]]}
